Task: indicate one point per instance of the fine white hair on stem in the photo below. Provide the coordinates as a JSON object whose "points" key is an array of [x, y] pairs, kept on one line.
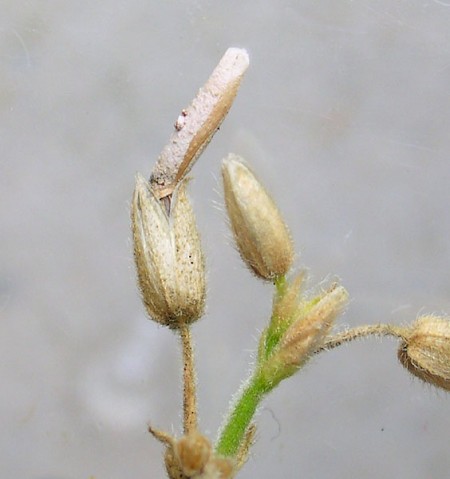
{"points": [[198, 122]]}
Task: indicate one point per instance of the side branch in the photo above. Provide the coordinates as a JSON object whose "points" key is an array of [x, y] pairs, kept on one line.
{"points": [[364, 331]]}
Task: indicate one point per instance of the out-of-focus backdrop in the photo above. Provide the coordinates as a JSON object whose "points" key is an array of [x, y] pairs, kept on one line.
{"points": [[345, 115]]}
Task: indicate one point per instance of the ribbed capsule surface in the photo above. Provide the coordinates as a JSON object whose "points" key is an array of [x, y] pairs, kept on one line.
{"points": [[168, 256], [260, 232], [426, 352]]}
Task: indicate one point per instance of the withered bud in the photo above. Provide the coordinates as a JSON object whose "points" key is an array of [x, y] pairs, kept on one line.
{"points": [[192, 456], [304, 336], [260, 232], [198, 122], [192, 453], [168, 256], [426, 351]]}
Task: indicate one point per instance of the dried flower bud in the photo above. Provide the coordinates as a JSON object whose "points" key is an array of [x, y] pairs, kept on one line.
{"points": [[198, 122], [168, 256], [192, 452], [260, 233], [304, 336], [426, 351]]}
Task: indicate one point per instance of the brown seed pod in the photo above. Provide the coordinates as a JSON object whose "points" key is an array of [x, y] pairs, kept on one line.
{"points": [[426, 351], [168, 256]]}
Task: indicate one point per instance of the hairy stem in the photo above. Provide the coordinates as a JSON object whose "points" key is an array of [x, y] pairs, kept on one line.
{"points": [[189, 393], [364, 331], [242, 413], [280, 284], [234, 431]]}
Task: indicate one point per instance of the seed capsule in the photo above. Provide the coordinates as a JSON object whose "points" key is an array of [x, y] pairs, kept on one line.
{"points": [[426, 351], [168, 256], [259, 230]]}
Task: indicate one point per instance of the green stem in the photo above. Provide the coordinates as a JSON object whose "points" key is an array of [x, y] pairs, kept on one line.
{"points": [[242, 412], [238, 422], [280, 284], [273, 331]]}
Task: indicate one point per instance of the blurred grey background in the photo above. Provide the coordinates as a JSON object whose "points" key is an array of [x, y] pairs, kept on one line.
{"points": [[345, 115]]}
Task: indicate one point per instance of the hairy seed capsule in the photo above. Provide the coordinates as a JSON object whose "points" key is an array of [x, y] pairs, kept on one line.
{"points": [[168, 256], [260, 232], [426, 352]]}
